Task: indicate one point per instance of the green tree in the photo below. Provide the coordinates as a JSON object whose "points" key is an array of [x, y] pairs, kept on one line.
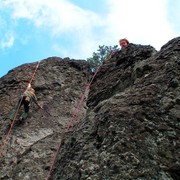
{"points": [[102, 54]]}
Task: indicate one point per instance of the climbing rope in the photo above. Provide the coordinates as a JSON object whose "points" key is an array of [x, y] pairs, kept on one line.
{"points": [[17, 110], [72, 121], [34, 72]]}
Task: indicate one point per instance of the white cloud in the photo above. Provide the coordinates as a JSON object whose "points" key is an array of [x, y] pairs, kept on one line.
{"points": [[61, 18], [141, 21], [7, 41], [59, 15]]}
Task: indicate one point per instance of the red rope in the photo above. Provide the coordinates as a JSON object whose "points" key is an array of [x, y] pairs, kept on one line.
{"points": [[12, 123], [34, 73], [54, 160], [72, 120]]}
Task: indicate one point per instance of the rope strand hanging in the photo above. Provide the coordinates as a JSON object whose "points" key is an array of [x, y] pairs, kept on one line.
{"points": [[71, 121]]}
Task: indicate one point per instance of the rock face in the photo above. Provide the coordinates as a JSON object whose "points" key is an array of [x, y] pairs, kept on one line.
{"points": [[59, 84], [127, 129], [131, 129]]}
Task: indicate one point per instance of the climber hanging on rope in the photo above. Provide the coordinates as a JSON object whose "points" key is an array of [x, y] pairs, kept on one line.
{"points": [[25, 99]]}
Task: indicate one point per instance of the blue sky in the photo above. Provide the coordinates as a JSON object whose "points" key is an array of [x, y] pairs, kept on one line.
{"points": [[32, 30]]}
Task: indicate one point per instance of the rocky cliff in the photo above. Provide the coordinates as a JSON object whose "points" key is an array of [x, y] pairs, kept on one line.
{"points": [[128, 126], [59, 84]]}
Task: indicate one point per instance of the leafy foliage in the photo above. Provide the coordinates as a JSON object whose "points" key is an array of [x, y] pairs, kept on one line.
{"points": [[102, 54]]}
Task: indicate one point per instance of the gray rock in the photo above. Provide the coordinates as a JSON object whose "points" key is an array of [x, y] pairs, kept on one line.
{"points": [[129, 128]]}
